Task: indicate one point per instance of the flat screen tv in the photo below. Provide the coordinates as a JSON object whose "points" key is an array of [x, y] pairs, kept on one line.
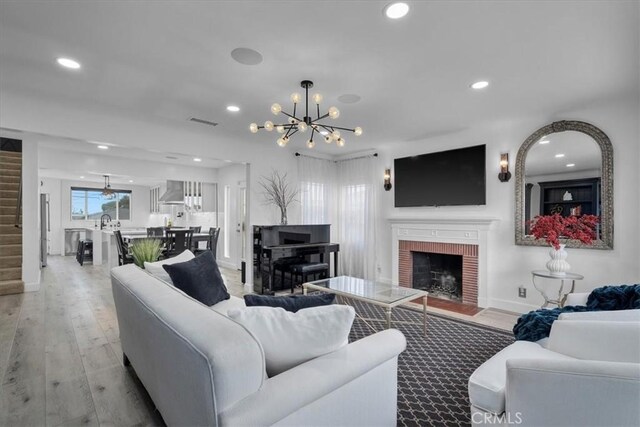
{"points": [[446, 178]]}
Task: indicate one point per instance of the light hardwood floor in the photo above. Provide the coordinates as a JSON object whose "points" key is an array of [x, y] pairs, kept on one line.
{"points": [[60, 354]]}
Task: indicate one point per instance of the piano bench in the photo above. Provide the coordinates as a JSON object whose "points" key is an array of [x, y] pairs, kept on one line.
{"points": [[306, 269]]}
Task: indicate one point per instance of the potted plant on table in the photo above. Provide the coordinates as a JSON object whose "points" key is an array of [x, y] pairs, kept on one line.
{"points": [[145, 250], [556, 230]]}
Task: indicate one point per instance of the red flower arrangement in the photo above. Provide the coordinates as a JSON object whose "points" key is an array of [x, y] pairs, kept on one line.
{"points": [[554, 227]]}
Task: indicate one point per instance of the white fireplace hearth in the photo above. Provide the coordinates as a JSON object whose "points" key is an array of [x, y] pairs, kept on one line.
{"points": [[467, 237]]}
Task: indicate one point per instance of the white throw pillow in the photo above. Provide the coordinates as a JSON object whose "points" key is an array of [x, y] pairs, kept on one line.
{"points": [[289, 339], [156, 270]]}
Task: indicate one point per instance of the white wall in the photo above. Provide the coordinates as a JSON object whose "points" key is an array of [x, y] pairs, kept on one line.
{"points": [[509, 265], [30, 216], [235, 177]]}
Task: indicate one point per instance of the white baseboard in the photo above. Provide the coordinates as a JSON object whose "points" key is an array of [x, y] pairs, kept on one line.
{"points": [[516, 307], [226, 264], [33, 286]]}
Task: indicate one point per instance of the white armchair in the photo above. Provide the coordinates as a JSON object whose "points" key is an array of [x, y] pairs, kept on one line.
{"points": [[588, 375], [616, 315]]}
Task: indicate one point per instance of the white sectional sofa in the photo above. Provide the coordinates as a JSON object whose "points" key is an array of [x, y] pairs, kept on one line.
{"points": [[587, 373], [202, 368]]}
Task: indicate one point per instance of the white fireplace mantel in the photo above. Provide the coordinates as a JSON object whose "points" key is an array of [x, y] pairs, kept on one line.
{"points": [[464, 230]]}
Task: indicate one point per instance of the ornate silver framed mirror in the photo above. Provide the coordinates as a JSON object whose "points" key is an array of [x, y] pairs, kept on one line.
{"points": [[565, 167]]}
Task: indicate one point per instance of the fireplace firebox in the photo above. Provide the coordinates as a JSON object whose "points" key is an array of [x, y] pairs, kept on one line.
{"points": [[439, 274]]}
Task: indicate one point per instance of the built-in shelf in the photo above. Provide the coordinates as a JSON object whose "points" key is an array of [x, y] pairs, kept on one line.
{"points": [[585, 193]]}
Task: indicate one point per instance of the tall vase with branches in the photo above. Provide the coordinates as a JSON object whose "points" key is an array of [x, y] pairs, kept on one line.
{"points": [[278, 191]]}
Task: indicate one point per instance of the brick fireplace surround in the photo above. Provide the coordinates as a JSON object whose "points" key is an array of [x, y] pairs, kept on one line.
{"points": [[469, 255], [456, 236]]}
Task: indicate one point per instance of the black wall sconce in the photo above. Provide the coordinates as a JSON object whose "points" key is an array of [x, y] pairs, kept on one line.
{"points": [[504, 175], [387, 179]]}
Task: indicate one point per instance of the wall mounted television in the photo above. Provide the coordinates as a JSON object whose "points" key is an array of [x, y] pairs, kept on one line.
{"points": [[446, 178]]}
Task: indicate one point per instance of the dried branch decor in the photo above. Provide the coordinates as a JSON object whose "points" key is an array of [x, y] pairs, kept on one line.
{"points": [[279, 192]]}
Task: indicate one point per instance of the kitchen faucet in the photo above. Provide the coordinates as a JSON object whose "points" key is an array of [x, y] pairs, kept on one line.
{"points": [[102, 222]]}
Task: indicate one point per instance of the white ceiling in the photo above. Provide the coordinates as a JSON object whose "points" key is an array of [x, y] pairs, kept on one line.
{"points": [[156, 64]]}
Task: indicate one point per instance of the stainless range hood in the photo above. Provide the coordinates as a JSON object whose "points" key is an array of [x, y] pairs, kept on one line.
{"points": [[174, 194]]}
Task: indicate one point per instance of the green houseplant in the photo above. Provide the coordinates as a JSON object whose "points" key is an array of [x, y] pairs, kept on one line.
{"points": [[146, 250]]}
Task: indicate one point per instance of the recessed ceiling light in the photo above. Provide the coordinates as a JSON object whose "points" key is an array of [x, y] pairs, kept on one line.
{"points": [[68, 63], [246, 56], [480, 85], [227, 161], [349, 98], [103, 147], [559, 155], [130, 180], [544, 141], [233, 108], [82, 177], [197, 159], [396, 10], [324, 132], [570, 165]]}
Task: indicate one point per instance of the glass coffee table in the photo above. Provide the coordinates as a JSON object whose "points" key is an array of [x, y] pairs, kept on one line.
{"points": [[383, 295]]}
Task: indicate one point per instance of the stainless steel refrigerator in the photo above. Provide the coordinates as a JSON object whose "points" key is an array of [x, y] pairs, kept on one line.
{"points": [[45, 228]]}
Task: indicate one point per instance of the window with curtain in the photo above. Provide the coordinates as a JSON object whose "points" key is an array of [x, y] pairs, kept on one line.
{"points": [[314, 201], [91, 204], [316, 189], [356, 213], [343, 194]]}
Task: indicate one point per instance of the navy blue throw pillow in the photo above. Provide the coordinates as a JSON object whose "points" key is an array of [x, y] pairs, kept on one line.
{"points": [[290, 303], [199, 278]]}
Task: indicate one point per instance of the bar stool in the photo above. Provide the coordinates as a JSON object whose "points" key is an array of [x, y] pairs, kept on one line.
{"points": [[85, 248], [306, 269]]}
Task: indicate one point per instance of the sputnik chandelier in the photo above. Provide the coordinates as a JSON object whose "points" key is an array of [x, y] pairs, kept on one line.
{"points": [[295, 124]]}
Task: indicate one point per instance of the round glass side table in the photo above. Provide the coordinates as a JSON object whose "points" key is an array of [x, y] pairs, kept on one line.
{"points": [[562, 296]]}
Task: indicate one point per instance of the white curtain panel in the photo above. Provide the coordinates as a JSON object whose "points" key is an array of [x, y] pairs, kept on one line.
{"points": [[356, 216], [317, 190], [343, 194]]}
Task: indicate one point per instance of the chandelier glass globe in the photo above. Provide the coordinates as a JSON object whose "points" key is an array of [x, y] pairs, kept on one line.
{"points": [[334, 113], [268, 125], [311, 144], [276, 108], [357, 131], [295, 97], [253, 127]]}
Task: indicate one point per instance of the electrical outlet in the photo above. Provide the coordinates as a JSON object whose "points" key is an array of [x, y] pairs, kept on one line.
{"points": [[522, 292]]}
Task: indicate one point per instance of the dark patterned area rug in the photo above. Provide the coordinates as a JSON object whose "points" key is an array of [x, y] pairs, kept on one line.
{"points": [[433, 371]]}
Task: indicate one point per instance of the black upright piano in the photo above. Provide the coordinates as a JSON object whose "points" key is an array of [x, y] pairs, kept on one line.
{"points": [[274, 245]]}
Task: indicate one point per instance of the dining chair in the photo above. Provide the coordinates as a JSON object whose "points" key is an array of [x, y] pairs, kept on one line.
{"points": [[178, 241], [212, 241], [124, 257], [196, 229]]}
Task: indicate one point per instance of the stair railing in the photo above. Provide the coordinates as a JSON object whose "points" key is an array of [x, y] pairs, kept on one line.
{"points": [[19, 205]]}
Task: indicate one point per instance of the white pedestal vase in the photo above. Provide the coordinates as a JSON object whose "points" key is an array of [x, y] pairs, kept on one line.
{"points": [[557, 265]]}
